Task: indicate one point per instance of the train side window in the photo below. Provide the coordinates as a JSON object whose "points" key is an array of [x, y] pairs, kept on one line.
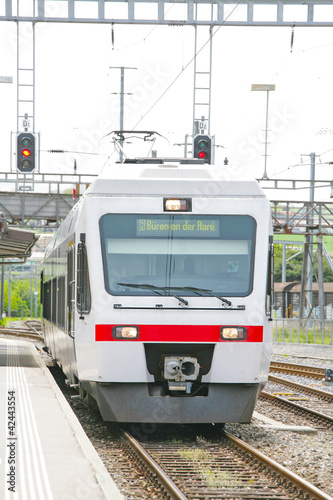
{"points": [[270, 278], [54, 301], [47, 300], [83, 297], [41, 292], [61, 319]]}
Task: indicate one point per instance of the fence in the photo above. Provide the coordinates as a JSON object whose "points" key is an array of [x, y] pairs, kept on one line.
{"points": [[303, 331]]}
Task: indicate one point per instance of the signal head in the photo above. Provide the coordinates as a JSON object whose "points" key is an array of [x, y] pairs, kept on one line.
{"points": [[202, 147], [26, 156]]}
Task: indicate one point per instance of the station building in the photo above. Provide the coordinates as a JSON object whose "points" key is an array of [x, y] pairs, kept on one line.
{"points": [[287, 299]]}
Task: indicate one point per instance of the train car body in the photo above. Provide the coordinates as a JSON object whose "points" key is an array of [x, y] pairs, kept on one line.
{"points": [[156, 294]]}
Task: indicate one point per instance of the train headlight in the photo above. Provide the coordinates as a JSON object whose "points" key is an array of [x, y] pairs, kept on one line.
{"points": [[177, 204], [233, 333], [125, 332]]}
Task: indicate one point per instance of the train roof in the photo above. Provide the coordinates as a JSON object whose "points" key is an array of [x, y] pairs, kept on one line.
{"points": [[173, 178]]}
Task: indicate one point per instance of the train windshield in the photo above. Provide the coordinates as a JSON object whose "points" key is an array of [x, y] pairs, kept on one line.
{"points": [[212, 252]]}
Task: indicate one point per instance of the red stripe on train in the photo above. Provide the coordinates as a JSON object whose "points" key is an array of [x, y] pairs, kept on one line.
{"points": [[178, 333]]}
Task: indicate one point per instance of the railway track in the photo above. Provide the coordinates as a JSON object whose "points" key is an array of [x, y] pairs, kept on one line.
{"points": [[29, 329], [320, 420], [218, 467], [195, 468], [306, 400], [301, 388], [209, 468], [300, 370]]}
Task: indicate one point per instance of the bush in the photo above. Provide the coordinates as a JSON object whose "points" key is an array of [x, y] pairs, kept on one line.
{"points": [[20, 298]]}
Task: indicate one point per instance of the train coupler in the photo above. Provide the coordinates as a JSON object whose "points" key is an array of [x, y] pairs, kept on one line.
{"points": [[180, 386]]}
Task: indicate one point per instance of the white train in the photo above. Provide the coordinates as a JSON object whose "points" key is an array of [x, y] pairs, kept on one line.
{"points": [[157, 293]]}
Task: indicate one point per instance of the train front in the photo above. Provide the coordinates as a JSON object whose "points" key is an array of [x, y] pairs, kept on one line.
{"points": [[180, 278]]}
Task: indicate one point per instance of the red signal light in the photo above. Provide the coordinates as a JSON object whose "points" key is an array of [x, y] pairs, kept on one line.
{"points": [[26, 152], [202, 147]]}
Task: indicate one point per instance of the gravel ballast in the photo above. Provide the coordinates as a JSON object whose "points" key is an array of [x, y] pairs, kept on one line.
{"points": [[308, 455]]}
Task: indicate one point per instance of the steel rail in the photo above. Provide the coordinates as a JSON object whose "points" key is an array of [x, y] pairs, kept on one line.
{"points": [[301, 387], [295, 480], [23, 333], [288, 478], [34, 330], [307, 371], [296, 406], [172, 490]]}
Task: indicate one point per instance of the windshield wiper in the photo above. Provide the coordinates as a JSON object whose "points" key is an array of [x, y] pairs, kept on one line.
{"points": [[156, 289], [199, 291], [167, 289]]}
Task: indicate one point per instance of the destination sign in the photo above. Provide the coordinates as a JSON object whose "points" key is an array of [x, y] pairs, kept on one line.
{"points": [[188, 228]]}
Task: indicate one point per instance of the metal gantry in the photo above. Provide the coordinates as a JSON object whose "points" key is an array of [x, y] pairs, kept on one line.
{"points": [[309, 219], [27, 209], [302, 217], [203, 15], [180, 13], [198, 13], [312, 220]]}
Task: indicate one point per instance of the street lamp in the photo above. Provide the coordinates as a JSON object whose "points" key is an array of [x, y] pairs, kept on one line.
{"points": [[265, 88]]}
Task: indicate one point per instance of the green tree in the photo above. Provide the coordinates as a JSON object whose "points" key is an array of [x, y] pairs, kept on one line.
{"points": [[20, 298], [295, 265]]}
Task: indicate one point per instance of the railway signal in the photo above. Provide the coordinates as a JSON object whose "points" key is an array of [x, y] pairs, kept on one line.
{"points": [[26, 152], [202, 147]]}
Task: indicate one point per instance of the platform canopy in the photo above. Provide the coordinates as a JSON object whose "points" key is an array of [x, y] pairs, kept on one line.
{"points": [[15, 243]]}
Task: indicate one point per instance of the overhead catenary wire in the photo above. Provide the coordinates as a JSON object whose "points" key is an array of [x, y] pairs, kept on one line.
{"points": [[301, 164], [183, 68], [142, 40], [328, 151], [213, 33], [290, 168], [74, 152]]}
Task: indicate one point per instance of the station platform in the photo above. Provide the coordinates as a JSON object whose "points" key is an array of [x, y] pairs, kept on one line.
{"points": [[44, 452]]}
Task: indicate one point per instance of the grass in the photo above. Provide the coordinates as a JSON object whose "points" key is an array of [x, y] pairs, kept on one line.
{"points": [[301, 335], [197, 455], [6, 321], [175, 440], [327, 240], [220, 479], [214, 478]]}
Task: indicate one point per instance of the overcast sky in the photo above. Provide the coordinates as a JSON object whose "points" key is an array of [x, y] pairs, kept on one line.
{"points": [[77, 76]]}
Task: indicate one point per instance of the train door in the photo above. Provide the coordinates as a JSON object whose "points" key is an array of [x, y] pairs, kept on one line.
{"points": [[70, 291], [83, 295], [70, 327]]}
